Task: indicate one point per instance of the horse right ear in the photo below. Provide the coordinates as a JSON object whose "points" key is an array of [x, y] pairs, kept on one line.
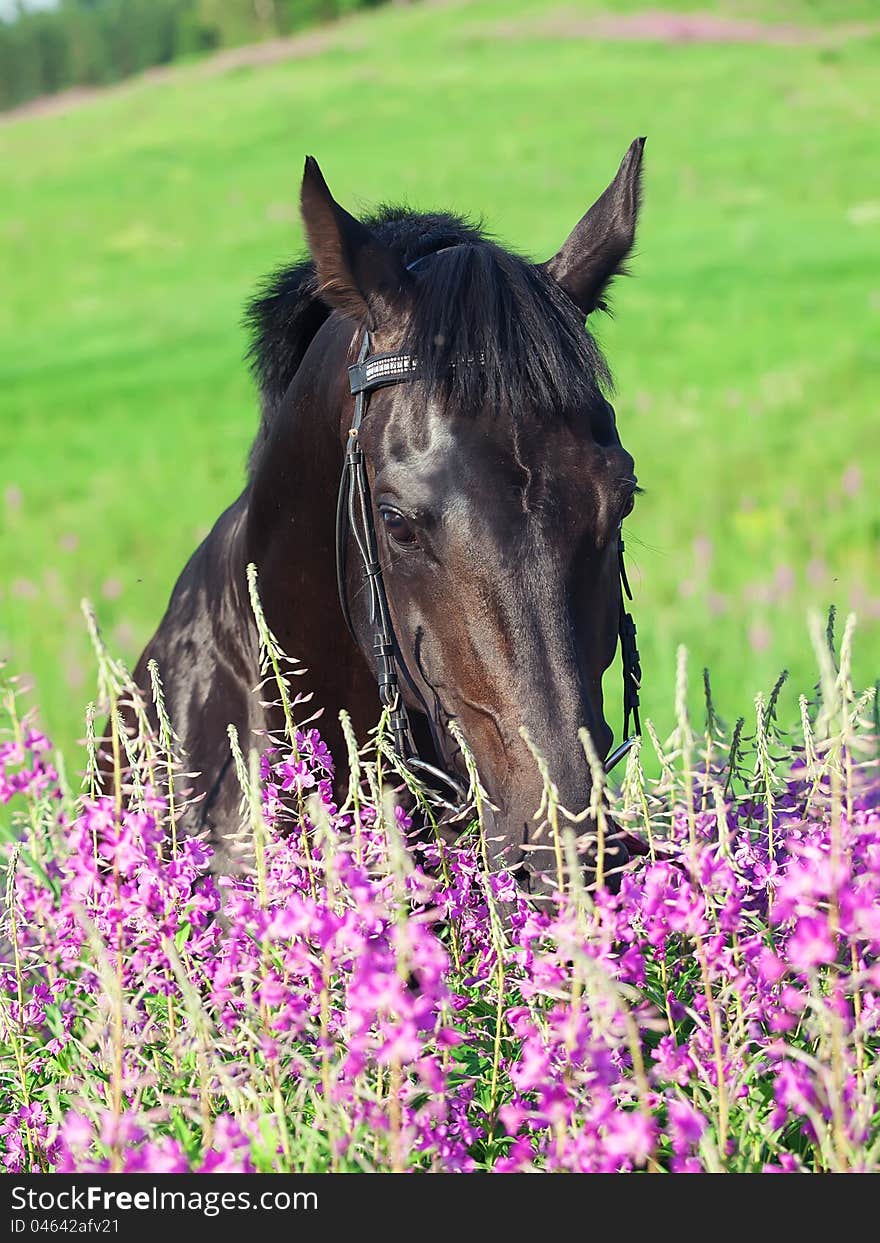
{"points": [[357, 274], [597, 249]]}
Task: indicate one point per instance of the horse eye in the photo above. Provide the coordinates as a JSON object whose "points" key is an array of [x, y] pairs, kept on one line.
{"points": [[398, 527]]}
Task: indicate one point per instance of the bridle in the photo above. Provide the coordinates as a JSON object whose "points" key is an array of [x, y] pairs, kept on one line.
{"points": [[354, 516]]}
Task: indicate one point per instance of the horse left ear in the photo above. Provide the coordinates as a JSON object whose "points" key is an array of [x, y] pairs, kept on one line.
{"points": [[357, 274], [597, 248]]}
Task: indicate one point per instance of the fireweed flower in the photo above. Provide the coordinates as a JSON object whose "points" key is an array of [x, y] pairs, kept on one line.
{"points": [[344, 994], [686, 1125]]}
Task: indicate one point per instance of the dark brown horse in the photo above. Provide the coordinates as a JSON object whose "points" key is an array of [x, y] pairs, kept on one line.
{"points": [[498, 485]]}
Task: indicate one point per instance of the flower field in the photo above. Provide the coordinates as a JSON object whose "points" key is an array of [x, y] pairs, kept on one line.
{"points": [[345, 999]]}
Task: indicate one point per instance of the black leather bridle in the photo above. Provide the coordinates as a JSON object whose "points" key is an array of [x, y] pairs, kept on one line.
{"points": [[354, 516]]}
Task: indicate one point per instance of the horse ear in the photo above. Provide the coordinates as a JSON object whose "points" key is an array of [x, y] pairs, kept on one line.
{"points": [[597, 248], [356, 273]]}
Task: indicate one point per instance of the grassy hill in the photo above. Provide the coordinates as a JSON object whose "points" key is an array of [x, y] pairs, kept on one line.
{"points": [[746, 349]]}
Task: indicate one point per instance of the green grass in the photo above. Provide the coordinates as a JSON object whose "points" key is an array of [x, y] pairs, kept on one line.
{"points": [[746, 349]]}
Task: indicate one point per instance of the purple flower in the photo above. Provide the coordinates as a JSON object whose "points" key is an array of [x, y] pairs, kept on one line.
{"points": [[353, 1009], [686, 1125], [630, 1135], [295, 775], [811, 945]]}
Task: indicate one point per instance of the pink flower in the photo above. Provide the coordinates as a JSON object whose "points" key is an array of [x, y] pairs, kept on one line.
{"points": [[77, 1132], [630, 1134], [771, 968], [163, 1156], [296, 775], [36, 742], [811, 944], [686, 1125], [120, 1131]]}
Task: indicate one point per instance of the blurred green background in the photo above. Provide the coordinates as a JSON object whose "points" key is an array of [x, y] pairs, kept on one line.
{"points": [[746, 348]]}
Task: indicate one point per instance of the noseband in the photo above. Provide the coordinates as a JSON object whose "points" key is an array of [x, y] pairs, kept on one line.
{"points": [[354, 515]]}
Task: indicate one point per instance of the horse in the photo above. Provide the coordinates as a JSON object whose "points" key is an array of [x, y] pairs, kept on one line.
{"points": [[493, 484]]}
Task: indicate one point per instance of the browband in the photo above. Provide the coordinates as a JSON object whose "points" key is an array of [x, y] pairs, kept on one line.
{"points": [[379, 370]]}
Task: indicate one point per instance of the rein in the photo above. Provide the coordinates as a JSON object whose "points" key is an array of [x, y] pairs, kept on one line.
{"points": [[354, 516]]}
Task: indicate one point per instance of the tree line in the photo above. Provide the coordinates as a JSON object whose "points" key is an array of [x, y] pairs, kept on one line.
{"points": [[94, 42]]}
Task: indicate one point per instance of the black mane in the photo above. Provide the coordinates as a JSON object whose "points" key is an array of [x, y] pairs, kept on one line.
{"points": [[488, 327]]}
